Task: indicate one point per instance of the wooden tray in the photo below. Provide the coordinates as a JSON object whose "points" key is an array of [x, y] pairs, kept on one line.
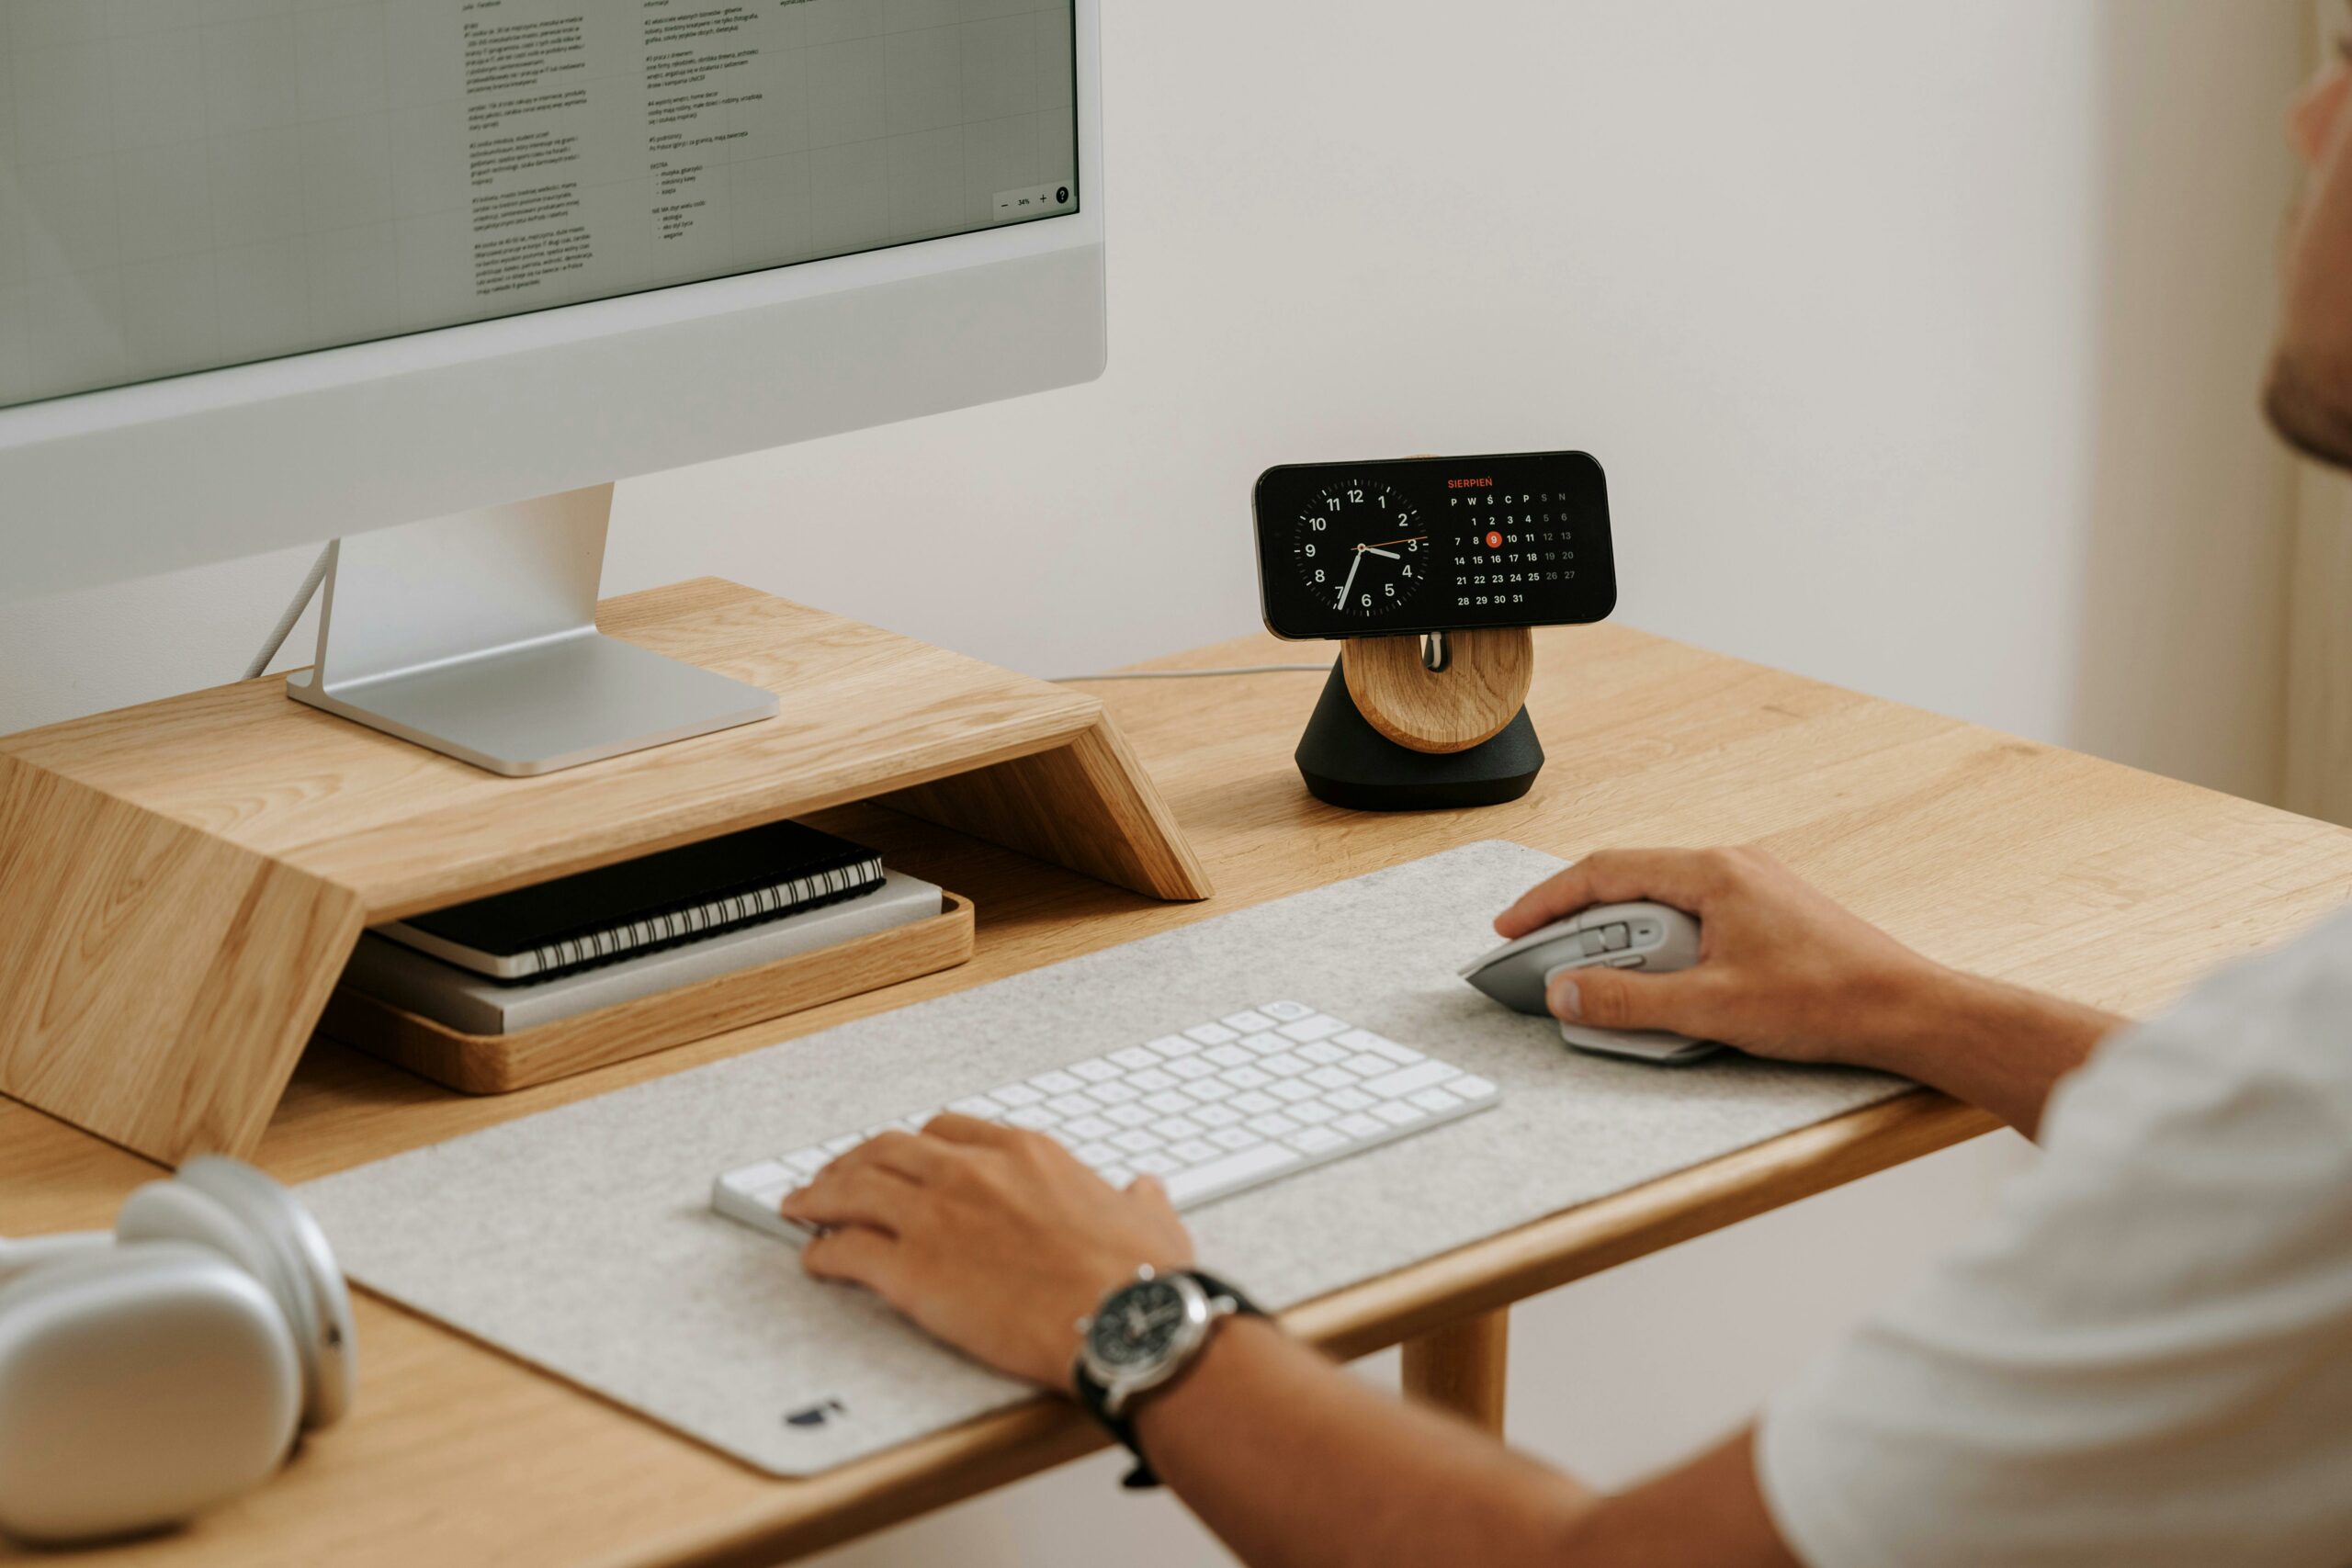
{"points": [[498, 1064]]}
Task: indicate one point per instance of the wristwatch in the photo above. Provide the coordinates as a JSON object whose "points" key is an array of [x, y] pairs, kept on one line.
{"points": [[1142, 1337]]}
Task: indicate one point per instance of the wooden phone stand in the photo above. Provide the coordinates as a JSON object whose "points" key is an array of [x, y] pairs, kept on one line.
{"points": [[185, 880], [1404, 725]]}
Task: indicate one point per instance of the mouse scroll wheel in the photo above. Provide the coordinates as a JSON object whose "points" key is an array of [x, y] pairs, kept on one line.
{"points": [[1615, 938]]}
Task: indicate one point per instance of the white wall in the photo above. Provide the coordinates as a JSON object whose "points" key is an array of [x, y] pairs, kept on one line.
{"points": [[1920, 341]]}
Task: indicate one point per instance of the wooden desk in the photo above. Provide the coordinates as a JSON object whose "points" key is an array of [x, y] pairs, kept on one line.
{"points": [[2032, 864]]}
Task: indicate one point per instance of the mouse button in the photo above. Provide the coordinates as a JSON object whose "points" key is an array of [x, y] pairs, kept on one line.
{"points": [[1628, 961], [1646, 930], [1613, 938], [1589, 943]]}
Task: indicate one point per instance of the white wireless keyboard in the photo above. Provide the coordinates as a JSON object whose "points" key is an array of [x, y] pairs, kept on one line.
{"points": [[1220, 1108]]}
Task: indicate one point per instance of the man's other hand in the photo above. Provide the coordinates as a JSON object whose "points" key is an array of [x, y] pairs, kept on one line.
{"points": [[997, 1241], [1782, 971]]}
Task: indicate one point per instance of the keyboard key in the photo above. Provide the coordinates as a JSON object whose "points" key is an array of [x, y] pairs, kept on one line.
{"points": [[1318, 1026], [1436, 1102], [1033, 1118], [1195, 1151], [1096, 1156], [807, 1161], [1368, 1065], [1235, 1138], [1136, 1141], [1168, 1102], [754, 1180], [1253, 1103], [1093, 1070], [1208, 1090], [1358, 1125], [1055, 1083], [842, 1144], [1090, 1127], [1214, 1115], [1211, 1033], [1316, 1139], [1235, 1170], [1249, 1077], [1150, 1080], [1117, 1175], [1332, 1078], [1273, 1124], [1228, 1056], [1111, 1093], [1365, 1040], [1250, 1022], [1171, 1046], [1193, 1067], [1153, 1165], [1176, 1127], [1292, 1090], [1314, 1113], [1013, 1096], [1133, 1115], [1264, 1044], [1349, 1099], [1285, 1012], [1470, 1088], [1406, 1081], [1135, 1058], [1400, 1113], [1282, 1063], [1323, 1055], [1073, 1105], [978, 1105]]}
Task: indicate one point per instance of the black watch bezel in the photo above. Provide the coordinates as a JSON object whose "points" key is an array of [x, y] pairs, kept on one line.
{"points": [[1113, 1407]]}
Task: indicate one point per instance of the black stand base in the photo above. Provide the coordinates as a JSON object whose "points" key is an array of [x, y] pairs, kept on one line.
{"points": [[1348, 762]]}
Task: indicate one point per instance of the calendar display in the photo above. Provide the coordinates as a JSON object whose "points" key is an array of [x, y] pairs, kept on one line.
{"points": [[1434, 544]]}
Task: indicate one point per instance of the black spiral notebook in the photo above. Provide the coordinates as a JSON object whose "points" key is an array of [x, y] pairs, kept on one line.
{"points": [[660, 900]]}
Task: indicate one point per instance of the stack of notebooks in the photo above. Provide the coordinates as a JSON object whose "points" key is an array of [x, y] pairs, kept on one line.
{"points": [[539, 954]]}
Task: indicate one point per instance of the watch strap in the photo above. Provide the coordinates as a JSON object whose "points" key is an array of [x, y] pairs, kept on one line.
{"points": [[1095, 1396]]}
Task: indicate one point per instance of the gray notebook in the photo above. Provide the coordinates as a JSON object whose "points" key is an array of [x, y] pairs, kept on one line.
{"points": [[581, 1239], [476, 1004]]}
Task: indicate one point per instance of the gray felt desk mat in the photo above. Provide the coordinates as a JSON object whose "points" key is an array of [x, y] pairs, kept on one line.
{"points": [[581, 1239]]}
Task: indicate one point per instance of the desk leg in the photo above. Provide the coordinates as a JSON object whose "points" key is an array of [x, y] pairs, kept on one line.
{"points": [[1460, 1366]]}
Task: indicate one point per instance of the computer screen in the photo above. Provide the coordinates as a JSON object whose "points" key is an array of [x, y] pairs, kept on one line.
{"points": [[192, 183]]}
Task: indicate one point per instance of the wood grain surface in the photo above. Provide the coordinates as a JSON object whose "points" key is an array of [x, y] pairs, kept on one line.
{"points": [[2020, 860], [1480, 690], [188, 877]]}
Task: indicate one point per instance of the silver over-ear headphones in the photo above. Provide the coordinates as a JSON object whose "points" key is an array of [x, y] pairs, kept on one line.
{"points": [[148, 1374]]}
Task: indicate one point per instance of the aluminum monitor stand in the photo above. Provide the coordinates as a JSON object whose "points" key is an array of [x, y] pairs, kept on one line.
{"points": [[476, 635]]}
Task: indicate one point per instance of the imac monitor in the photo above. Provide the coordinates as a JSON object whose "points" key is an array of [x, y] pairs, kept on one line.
{"points": [[424, 276]]}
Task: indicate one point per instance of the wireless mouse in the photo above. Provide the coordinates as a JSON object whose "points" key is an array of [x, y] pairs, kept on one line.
{"points": [[1653, 937]]}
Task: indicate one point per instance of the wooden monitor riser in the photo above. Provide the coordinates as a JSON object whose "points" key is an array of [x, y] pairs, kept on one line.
{"points": [[184, 880]]}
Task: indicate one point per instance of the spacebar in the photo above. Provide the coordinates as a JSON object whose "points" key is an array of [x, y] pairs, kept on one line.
{"points": [[1219, 1176]]}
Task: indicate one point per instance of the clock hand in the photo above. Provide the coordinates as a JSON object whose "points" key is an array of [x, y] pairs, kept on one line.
{"points": [[1377, 550], [1407, 540], [1350, 583]]}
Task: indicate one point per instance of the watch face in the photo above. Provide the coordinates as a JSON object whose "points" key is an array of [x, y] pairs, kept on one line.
{"points": [[1361, 546], [1434, 544], [1136, 1326]]}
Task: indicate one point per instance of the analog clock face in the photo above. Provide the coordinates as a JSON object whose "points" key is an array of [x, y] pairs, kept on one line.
{"points": [[1362, 549]]}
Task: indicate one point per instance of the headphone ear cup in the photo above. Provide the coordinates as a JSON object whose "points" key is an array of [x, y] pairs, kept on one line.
{"points": [[170, 1211], [309, 1286], [137, 1388]]}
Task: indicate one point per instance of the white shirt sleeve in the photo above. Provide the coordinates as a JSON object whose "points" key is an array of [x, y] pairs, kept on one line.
{"points": [[2148, 1360]]}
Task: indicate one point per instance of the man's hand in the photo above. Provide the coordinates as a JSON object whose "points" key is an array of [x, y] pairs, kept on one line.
{"points": [[997, 1241], [1782, 971]]}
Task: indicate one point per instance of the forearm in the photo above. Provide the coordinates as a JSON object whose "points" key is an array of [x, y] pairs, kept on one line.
{"points": [[1995, 1046], [1293, 1462]]}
